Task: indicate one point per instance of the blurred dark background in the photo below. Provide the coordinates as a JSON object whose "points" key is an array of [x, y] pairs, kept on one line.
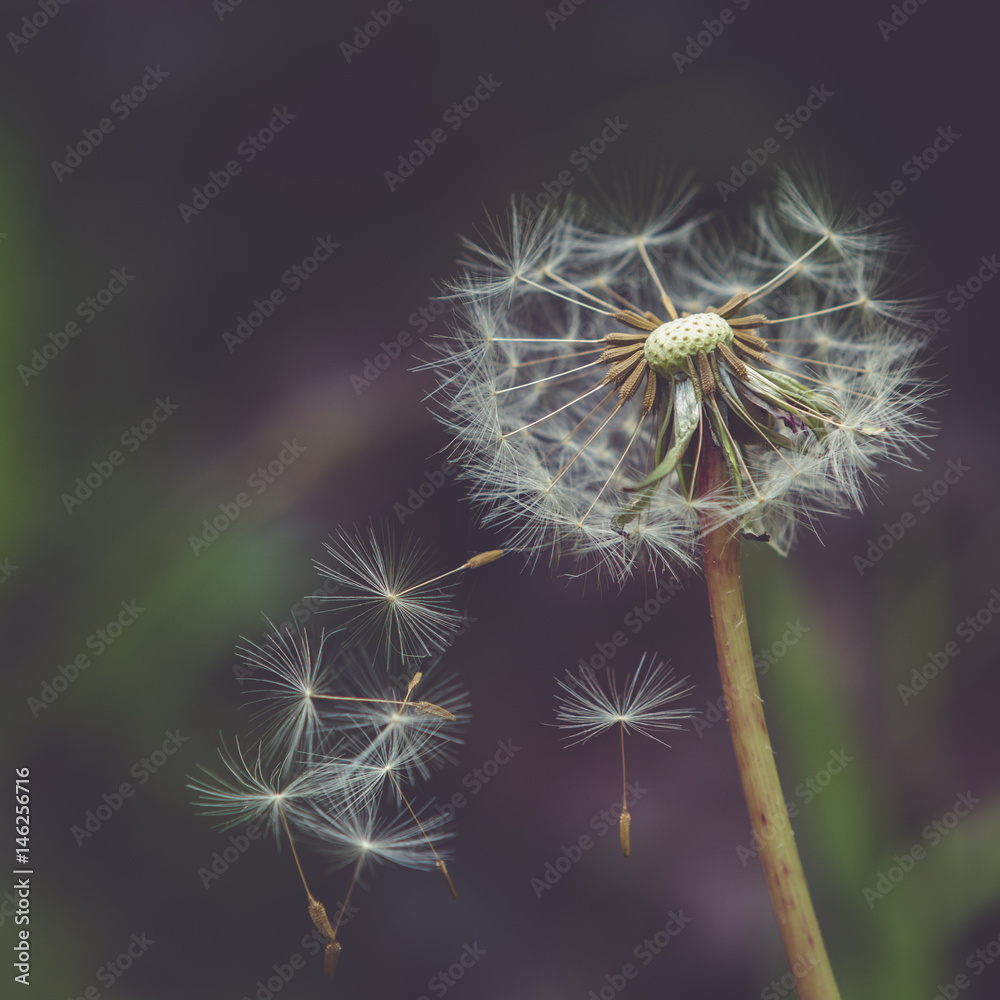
{"points": [[216, 74]]}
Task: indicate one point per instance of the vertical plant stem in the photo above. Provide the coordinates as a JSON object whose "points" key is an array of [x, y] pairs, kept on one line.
{"points": [[779, 856]]}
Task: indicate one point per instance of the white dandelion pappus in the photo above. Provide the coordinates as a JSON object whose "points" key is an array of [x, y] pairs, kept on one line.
{"points": [[250, 792], [365, 765], [362, 836], [430, 707], [385, 595], [586, 709], [288, 673], [584, 381]]}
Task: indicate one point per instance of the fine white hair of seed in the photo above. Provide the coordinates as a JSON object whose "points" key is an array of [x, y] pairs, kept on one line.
{"points": [[668, 346]]}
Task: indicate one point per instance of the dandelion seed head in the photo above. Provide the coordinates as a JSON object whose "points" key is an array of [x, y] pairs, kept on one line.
{"points": [[599, 352]]}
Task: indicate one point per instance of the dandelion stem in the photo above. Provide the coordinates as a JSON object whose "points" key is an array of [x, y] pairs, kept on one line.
{"points": [[779, 856]]}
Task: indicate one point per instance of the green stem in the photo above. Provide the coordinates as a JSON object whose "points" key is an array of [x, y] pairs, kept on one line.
{"points": [[779, 856]]}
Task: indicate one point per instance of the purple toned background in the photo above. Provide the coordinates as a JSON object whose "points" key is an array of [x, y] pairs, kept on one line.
{"points": [[222, 72]]}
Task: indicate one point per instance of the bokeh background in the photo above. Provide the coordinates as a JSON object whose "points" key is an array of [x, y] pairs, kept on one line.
{"points": [[562, 69]]}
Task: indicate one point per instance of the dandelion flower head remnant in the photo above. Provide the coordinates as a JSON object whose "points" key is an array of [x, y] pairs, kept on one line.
{"points": [[599, 352]]}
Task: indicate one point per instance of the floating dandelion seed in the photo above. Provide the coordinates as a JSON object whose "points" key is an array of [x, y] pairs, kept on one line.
{"points": [[247, 796], [365, 765], [363, 838], [249, 792], [343, 740], [585, 710], [431, 708], [290, 674], [374, 839], [584, 382], [394, 711], [382, 596], [353, 783], [386, 592]]}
